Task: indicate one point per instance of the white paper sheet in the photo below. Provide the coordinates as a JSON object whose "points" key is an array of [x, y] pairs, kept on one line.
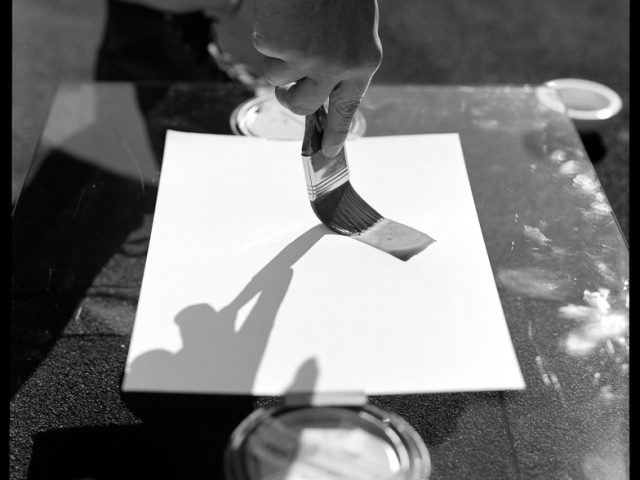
{"points": [[244, 291]]}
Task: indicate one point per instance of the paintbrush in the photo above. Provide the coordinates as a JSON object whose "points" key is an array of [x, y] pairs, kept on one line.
{"points": [[337, 204]]}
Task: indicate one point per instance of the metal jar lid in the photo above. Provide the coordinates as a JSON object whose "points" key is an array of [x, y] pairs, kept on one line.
{"points": [[326, 443], [263, 116]]}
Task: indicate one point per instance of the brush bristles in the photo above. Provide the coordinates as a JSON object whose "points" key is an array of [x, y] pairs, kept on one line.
{"points": [[344, 211]]}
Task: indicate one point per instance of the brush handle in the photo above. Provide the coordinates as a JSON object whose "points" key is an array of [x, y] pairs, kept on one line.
{"points": [[313, 130], [322, 174]]}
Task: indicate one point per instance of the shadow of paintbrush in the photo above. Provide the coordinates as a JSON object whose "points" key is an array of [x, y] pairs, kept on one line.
{"points": [[338, 205]]}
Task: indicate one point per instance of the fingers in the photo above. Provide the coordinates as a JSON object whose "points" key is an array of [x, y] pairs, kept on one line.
{"points": [[302, 86], [304, 96], [343, 104], [295, 91], [278, 72]]}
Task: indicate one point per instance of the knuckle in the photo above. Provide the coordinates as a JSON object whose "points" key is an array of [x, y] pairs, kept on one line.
{"points": [[342, 130], [340, 66], [351, 68], [347, 109], [258, 40]]}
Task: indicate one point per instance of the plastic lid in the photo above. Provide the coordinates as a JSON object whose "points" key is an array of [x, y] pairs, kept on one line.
{"points": [[586, 100]]}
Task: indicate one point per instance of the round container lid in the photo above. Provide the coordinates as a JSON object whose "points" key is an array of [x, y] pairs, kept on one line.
{"points": [[586, 100], [326, 443], [263, 116]]}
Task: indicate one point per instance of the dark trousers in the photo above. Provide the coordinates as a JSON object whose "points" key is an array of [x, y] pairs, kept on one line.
{"points": [[141, 44]]}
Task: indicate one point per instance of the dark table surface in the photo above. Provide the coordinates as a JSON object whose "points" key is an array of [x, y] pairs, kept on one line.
{"points": [[81, 228]]}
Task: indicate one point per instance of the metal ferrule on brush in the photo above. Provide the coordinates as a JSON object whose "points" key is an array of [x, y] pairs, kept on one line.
{"points": [[322, 174]]}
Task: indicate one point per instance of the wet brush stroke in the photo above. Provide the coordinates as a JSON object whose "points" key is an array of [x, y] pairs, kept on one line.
{"points": [[337, 204]]}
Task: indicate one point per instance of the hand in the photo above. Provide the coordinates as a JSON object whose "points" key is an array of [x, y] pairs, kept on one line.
{"points": [[319, 49]]}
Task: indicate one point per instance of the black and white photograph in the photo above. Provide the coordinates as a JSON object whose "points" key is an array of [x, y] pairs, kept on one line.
{"points": [[320, 240]]}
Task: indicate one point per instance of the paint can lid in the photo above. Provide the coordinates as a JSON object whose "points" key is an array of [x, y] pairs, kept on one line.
{"points": [[326, 443], [585, 102], [263, 116]]}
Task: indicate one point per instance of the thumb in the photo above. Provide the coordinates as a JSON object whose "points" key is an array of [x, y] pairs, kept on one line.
{"points": [[343, 104]]}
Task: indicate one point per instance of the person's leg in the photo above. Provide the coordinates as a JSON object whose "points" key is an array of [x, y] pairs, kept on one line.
{"points": [[143, 44]]}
